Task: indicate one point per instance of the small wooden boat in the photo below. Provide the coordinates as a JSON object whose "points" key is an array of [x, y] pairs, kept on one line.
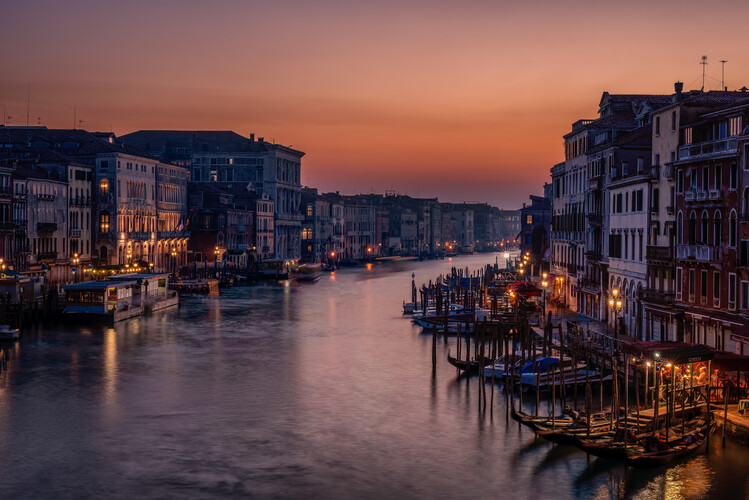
{"points": [[470, 367], [687, 444]]}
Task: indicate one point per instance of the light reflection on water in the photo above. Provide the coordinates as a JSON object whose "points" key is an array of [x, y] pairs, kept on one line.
{"points": [[291, 390]]}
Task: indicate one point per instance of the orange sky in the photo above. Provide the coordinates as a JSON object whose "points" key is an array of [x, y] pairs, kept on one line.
{"points": [[461, 100]]}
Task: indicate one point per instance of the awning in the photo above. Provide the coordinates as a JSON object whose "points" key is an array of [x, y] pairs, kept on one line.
{"points": [[677, 353], [740, 333], [589, 292], [662, 312], [730, 362], [718, 316]]}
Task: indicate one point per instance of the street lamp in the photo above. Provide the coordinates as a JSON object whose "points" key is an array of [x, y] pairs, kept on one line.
{"points": [[75, 260], [506, 255], [174, 260], [615, 304], [544, 284], [216, 252]]}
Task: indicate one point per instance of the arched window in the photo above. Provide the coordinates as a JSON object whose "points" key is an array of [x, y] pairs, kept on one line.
{"points": [[693, 228], [733, 229], [717, 229], [703, 234], [104, 188]]}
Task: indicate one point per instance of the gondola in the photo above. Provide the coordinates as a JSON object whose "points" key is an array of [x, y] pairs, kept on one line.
{"points": [[681, 448], [470, 367]]}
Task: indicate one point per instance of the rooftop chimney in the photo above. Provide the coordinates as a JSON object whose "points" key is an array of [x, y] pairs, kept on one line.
{"points": [[252, 137], [260, 139], [678, 87]]}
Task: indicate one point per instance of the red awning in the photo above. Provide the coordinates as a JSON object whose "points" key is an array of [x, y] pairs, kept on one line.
{"points": [[525, 288], [730, 362], [678, 353]]}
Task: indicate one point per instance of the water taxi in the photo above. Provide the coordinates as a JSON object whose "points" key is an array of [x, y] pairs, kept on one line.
{"points": [[279, 269], [109, 301]]}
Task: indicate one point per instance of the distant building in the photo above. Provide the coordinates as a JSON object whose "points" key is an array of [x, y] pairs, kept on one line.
{"points": [[223, 156], [535, 222]]}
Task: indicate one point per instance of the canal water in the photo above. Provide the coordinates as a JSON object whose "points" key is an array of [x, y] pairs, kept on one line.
{"points": [[301, 390]]}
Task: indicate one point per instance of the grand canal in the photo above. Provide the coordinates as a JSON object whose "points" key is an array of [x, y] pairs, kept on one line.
{"points": [[316, 390]]}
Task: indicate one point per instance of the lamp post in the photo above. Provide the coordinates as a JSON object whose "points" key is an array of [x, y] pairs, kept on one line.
{"points": [[75, 260], [216, 253], [544, 284], [174, 261], [615, 303], [507, 260]]}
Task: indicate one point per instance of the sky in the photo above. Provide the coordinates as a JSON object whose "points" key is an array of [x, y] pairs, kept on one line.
{"points": [[466, 101]]}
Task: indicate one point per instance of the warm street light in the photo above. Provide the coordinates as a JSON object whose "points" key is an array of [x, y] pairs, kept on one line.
{"points": [[616, 306], [544, 284]]}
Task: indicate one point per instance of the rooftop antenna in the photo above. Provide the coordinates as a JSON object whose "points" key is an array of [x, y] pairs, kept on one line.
{"points": [[703, 63], [723, 74], [28, 104]]}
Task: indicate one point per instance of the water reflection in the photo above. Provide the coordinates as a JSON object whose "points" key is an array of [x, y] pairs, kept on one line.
{"points": [[293, 390]]}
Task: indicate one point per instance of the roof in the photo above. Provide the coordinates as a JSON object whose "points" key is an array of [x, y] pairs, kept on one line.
{"points": [[99, 285], [678, 353]]}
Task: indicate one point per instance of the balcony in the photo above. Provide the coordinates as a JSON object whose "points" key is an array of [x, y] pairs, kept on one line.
{"points": [[80, 201], [140, 236], [595, 219], [701, 195], [670, 210], [689, 196], [7, 226], [46, 227], [593, 255], [5, 191], [589, 284], [20, 222], [714, 195], [721, 147], [46, 257], [172, 234], [702, 253], [45, 197], [657, 297], [75, 233], [655, 172], [653, 252], [594, 183]]}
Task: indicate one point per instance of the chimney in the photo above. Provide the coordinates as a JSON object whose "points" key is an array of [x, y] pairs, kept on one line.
{"points": [[260, 139], [678, 88], [252, 137]]}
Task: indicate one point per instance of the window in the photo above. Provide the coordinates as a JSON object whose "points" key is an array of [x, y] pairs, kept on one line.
{"points": [[104, 222], [309, 210], [703, 233], [529, 219], [688, 135], [693, 179], [657, 159], [705, 178], [733, 229], [673, 120], [734, 125], [680, 182], [678, 283], [692, 228], [657, 125], [745, 295], [732, 291], [691, 284], [718, 176], [214, 175], [734, 176], [703, 285], [104, 188], [717, 229], [716, 288]]}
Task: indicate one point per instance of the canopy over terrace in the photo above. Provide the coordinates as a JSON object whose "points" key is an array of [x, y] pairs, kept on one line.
{"points": [[677, 353], [525, 288], [730, 362]]}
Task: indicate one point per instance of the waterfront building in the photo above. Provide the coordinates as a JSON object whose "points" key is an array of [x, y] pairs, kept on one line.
{"points": [[509, 227], [224, 156], [172, 218], [663, 319], [535, 226], [359, 230], [709, 172]]}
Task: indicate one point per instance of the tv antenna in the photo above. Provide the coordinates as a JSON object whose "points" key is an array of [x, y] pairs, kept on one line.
{"points": [[703, 63], [723, 74]]}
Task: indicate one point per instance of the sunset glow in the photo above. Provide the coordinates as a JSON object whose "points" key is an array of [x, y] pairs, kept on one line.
{"points": [[465, 101]]}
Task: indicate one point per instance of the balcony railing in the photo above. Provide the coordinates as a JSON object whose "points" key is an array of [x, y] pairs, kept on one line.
{"points": [[593, 255], [657, 297], [6, 226], [141, 236], [45, 197], [653, 252], [702, 253], [670, 210], [46, 256], [5, 191], [689, 196], [655, 172], [595, 219], [172, 234], [75, 233], [714, 194], [701, 195], [589, 284], [46, 227], [708, 149]]}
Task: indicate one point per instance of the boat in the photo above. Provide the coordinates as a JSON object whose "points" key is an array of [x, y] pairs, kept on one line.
{"points": [[279, 269], [308, 272], [109, 301], [665, 453], [8, 333], [470, 367], [327, 268]]}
